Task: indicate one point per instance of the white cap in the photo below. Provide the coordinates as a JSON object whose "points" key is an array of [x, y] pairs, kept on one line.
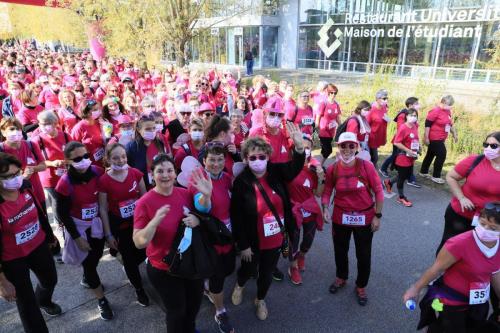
{"points": [[347, 137]]}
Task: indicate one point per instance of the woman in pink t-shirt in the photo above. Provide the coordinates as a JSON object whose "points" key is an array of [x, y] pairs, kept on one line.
{"points": [[469, 263]]}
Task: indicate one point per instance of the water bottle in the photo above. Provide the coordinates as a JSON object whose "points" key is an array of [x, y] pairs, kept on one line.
{"points": [[411, 304]]}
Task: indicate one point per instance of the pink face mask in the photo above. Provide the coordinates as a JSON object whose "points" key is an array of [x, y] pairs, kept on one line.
{"points": [[486, 235], [46, 129], [273, 122], [13, 183], [491, 153], [258, 166], [14, 136]]}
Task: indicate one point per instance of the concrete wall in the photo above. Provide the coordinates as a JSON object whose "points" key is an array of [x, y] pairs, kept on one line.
{"points": [[288, 34]]}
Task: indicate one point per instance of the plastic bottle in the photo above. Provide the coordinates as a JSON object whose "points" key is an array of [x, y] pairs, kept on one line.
{"points": [[411, 304]]}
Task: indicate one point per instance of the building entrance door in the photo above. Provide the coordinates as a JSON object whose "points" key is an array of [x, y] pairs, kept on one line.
{"points": [[238, 50]]}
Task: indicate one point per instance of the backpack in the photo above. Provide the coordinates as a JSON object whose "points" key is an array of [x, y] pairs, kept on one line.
{"points": [[343, 127], [42, 145], [474, 164], [357, 173], [405, 111], [30, 145]]}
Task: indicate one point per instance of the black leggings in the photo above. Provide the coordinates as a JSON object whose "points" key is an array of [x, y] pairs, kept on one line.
{"points": [[436, 149], [92, 260], [326, 146], [404, 173], [225, 266], [374, 156], [453, 321], [265, 261], [181, 297], [308, 233], [363, 241], [454, 224], [132, 256], [17, 271]]}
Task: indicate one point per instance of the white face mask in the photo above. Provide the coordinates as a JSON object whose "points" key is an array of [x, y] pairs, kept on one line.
{"points": [[197, 135], [486, 235], [159, 127], [13, 183], [258, 166], [149, 135], [118, 167], [96, 114], [347, 160], [47, 129], [14, 136], [127, 133], [412, 119], [365, 113], [82, 165], [273, 122]]}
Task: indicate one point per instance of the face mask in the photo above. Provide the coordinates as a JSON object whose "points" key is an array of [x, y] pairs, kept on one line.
{"points": [[383, 103], [308, 153], [159, 127], [46, 129], [412, 119], [365, 113], [273, 122], [288, 95], [258, 166], [118, 167], [491, 153], [127, 133], [416, 106], [197, 135], [55, 87], [149, 135], [82, 165], [15, 136], [347, 160], [114, 112], [13, 183], [486, 235], [96, 114], [94, 85], [15, 93]]}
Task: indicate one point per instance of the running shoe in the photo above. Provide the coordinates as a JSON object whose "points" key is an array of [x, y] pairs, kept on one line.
{"points": [[301, 262], [51, 309], [362, 296], [336, 285], [424, 175], [387, 185], [405, 202], [105, 309], [142, 297], [278, 275], [261, 309], [438, 180], [85, 284], [294, 274], [237, 295], [223, 321], [414, 184], [384, 173]]}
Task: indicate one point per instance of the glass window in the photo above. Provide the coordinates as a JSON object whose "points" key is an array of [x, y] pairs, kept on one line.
{"points": [[420, 51], [388, 48], [309, 51], [457, 52], [489, 35], [270, 46], [466, 3], [251, 39], [425, 4]]}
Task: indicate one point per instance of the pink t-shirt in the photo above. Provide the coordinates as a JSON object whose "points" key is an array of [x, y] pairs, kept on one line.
{"points": [[441, 123], [302, 118], [330, 115], [280, 143], [91, 137], [270, 235], [377, 118], [409, 138]]}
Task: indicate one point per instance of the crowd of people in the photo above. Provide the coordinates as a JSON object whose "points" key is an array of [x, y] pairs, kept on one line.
{"points": [[189, 170]]}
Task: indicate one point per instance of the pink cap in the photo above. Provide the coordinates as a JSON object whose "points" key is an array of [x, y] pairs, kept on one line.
{"points": [[206, 107], [277, 110]]}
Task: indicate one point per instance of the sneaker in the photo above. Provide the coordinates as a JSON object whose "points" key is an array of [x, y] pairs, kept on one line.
{"points": [[301, 262], [51, 309], [237, 295], [405, 202], [223, 321], [387, 185], [278, 275], [336, 285], [84, 283], [414, 184], [261, 310], [424, 175], [384, 173], [105, 309], [142, 297], [438, 180], [362, 297], [294, 274]]}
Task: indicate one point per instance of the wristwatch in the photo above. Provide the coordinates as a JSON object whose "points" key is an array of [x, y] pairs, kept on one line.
{"points": [[378, 215]]}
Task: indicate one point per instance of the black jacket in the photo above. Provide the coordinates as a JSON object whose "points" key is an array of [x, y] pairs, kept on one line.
{"points": [[244, 203]]}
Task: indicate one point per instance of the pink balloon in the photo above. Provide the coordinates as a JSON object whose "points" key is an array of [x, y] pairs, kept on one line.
{"points": [[97, 49]]}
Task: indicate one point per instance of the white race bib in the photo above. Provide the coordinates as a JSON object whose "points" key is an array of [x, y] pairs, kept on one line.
{"points": [[271, 226], [386, 117], [307, 121], [415, 145], [127, 208], [305, 213], [479, 293], [60, 171], [28, 233], [447, 128], [332, 124], [99, 154], [353, 219], [89, 211]]}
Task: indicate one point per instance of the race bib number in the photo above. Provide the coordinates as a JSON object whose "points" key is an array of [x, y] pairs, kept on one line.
{"points": [[447, 128], [353, 219], [386, 117], [28, 234], [307, 121], [60, 171], [415, 145], [332, 124], [89, 211], [99, 154], [271, 226], [127, 208], [305, 213], [479, 293]]}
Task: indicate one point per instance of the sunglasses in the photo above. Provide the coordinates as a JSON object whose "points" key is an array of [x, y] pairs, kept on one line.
{"points": [[80, 158], [149, 106], [350, 145], [91, 102], [212, 144], [204, 84], [276, 114], [207, 114], [492, 206], [185, 114], [255, 157], [304, 96], [492, 145], [332, 93], [385, 98]]}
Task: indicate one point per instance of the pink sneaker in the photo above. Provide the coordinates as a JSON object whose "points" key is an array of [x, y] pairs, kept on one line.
{"points": [[294, 274]]}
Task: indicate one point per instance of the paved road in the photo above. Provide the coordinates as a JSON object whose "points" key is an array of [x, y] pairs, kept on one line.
{"points": [[402, 249]]}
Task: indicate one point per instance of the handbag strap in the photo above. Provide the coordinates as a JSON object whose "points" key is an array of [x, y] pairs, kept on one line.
{"points": [[270, 205]]}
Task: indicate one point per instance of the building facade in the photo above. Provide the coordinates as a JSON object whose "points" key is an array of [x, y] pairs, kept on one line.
{"points": [[443, 39]]}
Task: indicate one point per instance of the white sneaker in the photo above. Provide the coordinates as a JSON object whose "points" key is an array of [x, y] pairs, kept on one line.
{"points": [[237, 295], [438, 180], [424, 175], [261, 309]]}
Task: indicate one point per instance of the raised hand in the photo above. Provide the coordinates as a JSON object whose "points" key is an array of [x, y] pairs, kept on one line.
{"points": [[201, 182], [296, 135]]}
